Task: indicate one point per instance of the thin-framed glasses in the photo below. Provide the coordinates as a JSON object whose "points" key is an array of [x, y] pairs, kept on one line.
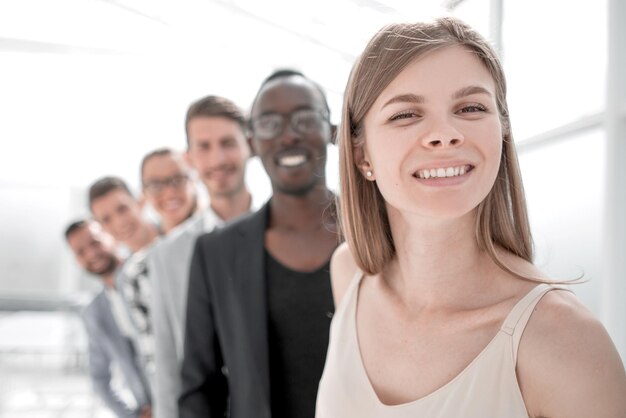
{"points": [[158, 186], [303, 121]]}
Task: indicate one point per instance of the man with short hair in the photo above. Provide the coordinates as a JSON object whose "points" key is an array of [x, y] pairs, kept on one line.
{"points": [[168, 187], [120, 214], [259, 302], [217, 149], [108, 328]]}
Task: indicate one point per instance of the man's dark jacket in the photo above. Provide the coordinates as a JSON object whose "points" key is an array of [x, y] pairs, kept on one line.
{"points": [[226, 326]]}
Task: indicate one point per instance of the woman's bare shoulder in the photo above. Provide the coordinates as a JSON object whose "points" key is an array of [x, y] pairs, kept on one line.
{"points": [[567, 364], [342, 270]]}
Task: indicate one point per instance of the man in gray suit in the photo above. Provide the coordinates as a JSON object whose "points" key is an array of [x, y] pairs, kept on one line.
{"points": [[217, 149], [107, 324]]}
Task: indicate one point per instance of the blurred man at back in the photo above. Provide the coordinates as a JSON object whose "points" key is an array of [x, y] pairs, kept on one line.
{"points": [[218, 151], [108, 328], [120, 213]]}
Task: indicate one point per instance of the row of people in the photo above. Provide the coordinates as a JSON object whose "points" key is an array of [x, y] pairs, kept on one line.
{"points": [[283, 249], [440, 311]]}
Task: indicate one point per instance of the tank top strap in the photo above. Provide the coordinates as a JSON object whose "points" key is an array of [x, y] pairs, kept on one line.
{"points": [[354, 283], [350, 291], [516, 321]]}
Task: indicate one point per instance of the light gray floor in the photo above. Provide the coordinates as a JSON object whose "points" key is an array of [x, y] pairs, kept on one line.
{"points": [[43, 367]]}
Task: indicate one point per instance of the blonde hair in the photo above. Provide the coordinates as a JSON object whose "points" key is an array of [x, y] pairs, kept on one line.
{"points": [[502, 219]]}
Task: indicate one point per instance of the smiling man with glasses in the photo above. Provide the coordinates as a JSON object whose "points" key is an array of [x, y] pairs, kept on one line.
{"points": [[304, 121], [167, 186], [259, 300]]}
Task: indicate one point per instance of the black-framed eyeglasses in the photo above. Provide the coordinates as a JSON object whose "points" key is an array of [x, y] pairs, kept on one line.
{"points": [[158, 186], [303, 121]]}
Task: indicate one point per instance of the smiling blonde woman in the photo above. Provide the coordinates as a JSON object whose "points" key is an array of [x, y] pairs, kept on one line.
{"points": [[440, 311]]}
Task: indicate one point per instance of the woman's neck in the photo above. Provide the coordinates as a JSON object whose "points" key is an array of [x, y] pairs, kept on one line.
{"points": [[437, 262]]}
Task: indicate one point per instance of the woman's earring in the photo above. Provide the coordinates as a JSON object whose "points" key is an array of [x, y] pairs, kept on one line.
{"points": [[368, 173]]}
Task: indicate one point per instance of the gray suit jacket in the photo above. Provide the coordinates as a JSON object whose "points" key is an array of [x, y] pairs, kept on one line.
{"points": [[227, 328], [107, 346], [168, 263]]}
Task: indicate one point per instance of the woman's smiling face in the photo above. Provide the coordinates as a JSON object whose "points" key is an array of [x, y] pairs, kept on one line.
{"points": [[433, 138]]}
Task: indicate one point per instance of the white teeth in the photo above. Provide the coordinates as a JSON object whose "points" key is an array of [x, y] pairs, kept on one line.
{"points": [[442, 172], [292, 160]]}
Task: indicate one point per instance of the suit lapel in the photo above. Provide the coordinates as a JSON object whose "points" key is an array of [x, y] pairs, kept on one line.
{"points": [[250, 285], [179, 275]]}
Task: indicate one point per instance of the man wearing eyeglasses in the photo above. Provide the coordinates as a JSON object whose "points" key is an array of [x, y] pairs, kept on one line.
{"points": [[259, 301], [217, 150], [167, 187]]}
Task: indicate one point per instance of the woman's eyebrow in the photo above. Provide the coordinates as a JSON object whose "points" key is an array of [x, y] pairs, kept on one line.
{"points": [[469, 90], [405, 98], [417, 99]]}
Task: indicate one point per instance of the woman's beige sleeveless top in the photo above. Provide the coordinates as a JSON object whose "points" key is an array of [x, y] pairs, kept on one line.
{"points": [[487, 387]]}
